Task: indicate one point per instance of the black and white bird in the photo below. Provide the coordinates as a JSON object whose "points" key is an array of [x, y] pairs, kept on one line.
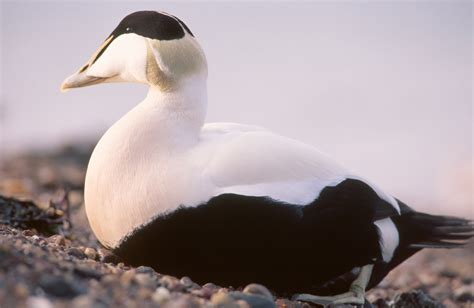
{"points": [[231, 203]]}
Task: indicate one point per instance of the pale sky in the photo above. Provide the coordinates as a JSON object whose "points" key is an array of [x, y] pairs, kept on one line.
{"points": [[383, 87]]}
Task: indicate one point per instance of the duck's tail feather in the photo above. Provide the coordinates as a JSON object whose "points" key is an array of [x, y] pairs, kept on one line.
{"points": [[433, 231]]}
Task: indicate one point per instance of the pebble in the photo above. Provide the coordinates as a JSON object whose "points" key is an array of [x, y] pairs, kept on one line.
{"points": [[21, 290], [210, 285], [38, 302], [127, 277], [464, 294], [183, 301], [381, 303], [108, 279], [144, 293], [189, 284], [58, 286], [29, 232], [87, 272], [415, 299], [171, 283], [144, 280], [107, 256], [76, 252], [161, 295], [90, 253], [82, 301], [57, 240], [145, 270], [221, 298], [253, 300], [258, 289]]}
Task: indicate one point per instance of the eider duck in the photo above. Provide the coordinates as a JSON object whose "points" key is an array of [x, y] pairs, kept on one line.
{"points": [[229, 203]]}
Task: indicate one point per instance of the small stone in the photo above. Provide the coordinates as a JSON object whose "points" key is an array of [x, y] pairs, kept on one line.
{"points": [[127, 277], [90, 253], [29, 232], [21, 290], [204, 292], [188, 283], [464, 294], [107, 256], [145, 270], [258, 289], [253, 300], [144, 280], [75, 197], [82, 301], [38, 302], [284, 302], [448, 273], [172, 283], [87, 271], [221, 298], [161, 295], [76, 252], [57, 239], [210, 285], [415, 299], [183, 301], [46, 176], [144, 293], [108, 279], [242, 304], [381, 303], [59, 287]]}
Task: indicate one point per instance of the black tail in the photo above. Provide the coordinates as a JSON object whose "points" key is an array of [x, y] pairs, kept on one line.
{"points": [[420, 230]]}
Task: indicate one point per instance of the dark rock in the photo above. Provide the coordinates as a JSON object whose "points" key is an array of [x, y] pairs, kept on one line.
{"points": [[27, 216], [58, 286], [145, 270], [464, 294], [448, 274], [107, 256], [415, 299], [381, 303], [87, 272], [76, 252]]}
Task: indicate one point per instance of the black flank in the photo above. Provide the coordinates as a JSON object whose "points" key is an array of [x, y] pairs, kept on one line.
{"points": [[235, 240]]}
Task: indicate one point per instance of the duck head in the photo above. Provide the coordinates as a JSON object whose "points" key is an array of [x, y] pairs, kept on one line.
{"points": [[148, 47]]}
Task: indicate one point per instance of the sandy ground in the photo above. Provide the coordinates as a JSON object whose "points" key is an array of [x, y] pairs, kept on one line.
{"points": [[58, 262]]}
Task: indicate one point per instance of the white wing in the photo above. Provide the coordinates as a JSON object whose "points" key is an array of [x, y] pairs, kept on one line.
{"points": [[250, 160]]}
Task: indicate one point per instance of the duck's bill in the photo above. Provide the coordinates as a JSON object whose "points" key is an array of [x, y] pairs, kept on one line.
{"points": [[80, 79]]}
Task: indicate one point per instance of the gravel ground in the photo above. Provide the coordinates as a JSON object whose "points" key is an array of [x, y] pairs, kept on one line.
{"points": [[50, 258]]}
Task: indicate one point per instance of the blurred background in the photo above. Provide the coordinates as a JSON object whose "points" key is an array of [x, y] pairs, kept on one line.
{"points": [[383, 87]]}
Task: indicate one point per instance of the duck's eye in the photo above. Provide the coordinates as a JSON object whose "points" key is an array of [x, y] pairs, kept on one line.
{"points": [[128, 29]]}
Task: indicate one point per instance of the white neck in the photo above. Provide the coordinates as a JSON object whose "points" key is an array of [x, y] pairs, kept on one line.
{"points": [[173, 119], [161, 127]]}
